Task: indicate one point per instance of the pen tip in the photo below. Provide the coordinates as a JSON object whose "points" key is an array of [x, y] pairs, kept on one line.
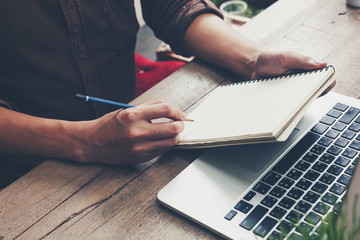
{"points": [[80, 96]]}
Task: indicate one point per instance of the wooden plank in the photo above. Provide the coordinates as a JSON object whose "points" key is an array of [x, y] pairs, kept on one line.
{"points": [[133, 212], [272, 24], [71, 201], [39, 192]]}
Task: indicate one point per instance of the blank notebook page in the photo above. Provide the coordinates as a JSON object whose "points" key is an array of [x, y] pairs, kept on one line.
{"points": [[257, 108]]}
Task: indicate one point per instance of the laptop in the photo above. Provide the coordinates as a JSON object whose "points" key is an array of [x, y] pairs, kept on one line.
{"points": [[274, 190]]}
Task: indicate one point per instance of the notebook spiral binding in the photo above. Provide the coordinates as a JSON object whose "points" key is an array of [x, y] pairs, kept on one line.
{"points": [[280, 76]]}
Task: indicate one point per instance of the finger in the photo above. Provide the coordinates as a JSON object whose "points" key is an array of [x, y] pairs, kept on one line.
{"points": [[155, 131], [157, 147], [165, 130], [161, 110], [297, 61]]}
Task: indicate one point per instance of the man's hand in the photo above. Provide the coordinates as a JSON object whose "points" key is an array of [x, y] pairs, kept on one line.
{"points": [[129, 137], [270, 63]]}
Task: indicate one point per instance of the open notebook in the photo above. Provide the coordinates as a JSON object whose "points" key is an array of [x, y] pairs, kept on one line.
{"points": [[264, 110]]}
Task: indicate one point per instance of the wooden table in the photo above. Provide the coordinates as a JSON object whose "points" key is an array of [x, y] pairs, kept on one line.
{"points": [[65, 200]]}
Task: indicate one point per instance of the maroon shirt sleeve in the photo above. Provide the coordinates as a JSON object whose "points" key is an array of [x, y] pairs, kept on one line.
{"points": [[169, 19]]}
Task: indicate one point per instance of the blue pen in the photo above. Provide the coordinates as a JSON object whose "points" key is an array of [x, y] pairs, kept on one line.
{"points": [[103, 101], [113, 103]]}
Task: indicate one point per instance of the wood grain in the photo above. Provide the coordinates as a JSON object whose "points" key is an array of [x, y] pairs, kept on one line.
{"points": [[64, 200]]}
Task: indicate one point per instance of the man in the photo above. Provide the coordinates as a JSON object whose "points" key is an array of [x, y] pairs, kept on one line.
{"points": [[51, 50]]}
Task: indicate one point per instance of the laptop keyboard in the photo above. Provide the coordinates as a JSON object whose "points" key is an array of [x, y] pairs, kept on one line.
{"points": [[307, 183]]}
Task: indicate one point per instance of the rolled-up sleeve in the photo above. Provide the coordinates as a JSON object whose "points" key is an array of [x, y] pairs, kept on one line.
{"points": [[169, 19]]}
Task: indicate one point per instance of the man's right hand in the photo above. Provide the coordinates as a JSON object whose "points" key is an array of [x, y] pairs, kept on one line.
{"points": [[128, 136]]}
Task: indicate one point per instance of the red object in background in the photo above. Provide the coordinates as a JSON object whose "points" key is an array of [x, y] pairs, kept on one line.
{"points": [[149, 73]]}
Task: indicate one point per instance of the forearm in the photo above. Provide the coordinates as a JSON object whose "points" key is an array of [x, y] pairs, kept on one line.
{"points": [[211, 39], [25, 135]]}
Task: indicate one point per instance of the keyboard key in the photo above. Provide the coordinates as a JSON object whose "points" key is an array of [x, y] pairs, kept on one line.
{"points": [[304, 228], [349, 153], [319, 128], [334, 150], [271, 178], [329, 198], [349, 115], [334, 169], [312, 218], [269, 201], [302, 165], [311, 197], [252, 219], [317, 149], [277, 192], [286, 183], [350, 170], [230, 215], [327, 178], [354, 127], [344, 179], [354, 162], [295, 193], [357, 120], [319, 187], [355, 145], [285, 227], [303, 206], [286, 203], [303, 184], [294, 216], [277, 212], [294, 174], [295, 153], [332, 134], [243, 206], [249, 195], [310, 157], [342, 161], [240, 205], [311, 175], [324, 141], [327, 120], [265, 226], [334, 113], [261, 187], [341, 142], [348, 134], [327, 158], [339, 127], [337, 189], [321, 208], [340, 106], [275, 236], [319, 166]]}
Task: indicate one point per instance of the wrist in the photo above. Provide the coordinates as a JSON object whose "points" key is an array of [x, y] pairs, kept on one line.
{"points": [[75, 141]]}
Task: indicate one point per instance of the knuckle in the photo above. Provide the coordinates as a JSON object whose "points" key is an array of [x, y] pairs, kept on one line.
{"points": [[174, 140], [133, 134], [129, 115], [167, 108], [175, 128]]}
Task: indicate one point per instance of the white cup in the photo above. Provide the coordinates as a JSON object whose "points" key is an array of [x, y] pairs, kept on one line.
{"points": [[353, 3], [233, 11]]}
